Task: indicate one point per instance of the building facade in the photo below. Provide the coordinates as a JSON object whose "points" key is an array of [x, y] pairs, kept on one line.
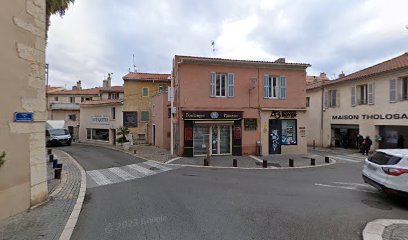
{"points": [[160, 123], [227, 107], [23, 176], [372, 102], [139, 89]]}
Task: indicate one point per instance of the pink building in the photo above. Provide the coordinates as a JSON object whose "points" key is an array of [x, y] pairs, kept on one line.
{"points": [[160, 132], [228, 106]]}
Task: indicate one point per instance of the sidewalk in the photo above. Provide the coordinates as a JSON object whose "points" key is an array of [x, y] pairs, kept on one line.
{"points": [[48, 220], [386, 229]]}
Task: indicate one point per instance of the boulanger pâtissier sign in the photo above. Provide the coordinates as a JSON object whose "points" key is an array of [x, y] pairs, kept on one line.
{"points": [[388, 116]]}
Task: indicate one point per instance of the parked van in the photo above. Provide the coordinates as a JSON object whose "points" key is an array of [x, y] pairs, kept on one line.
{"points": [[56, 133]]}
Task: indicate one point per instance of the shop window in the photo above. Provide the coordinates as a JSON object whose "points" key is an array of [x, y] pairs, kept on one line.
{"points": [[250, 124], [289, 131], [130, 119], [100, 134], [307, 101], [145, 92], [222, 85], [144, 116], [274, 87]]}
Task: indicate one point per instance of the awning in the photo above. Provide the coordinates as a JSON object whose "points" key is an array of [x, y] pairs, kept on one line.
{"points": [[215, 122], [345, 126]]}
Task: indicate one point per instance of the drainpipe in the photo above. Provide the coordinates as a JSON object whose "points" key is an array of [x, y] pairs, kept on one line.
{"points": [[321, 117]]}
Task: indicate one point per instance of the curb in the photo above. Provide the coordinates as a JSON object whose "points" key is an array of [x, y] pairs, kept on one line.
{"points": [[73, 218], [374, 229]]}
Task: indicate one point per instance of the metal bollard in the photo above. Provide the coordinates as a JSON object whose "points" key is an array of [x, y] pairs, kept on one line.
{"points": [[235, 163], [54, 163], [57, 173], [135, 151], [326, 159], [264, 163], [291, 163], [51, 157], [49, 151], [205, 162], [312, 162], [314, 145]]}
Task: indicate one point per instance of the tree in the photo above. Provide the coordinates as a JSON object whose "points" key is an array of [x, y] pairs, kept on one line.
{"points": [[2, 161], [122, 132], [55, 7]]}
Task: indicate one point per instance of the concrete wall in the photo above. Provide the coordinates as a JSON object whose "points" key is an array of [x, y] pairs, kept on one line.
{"points": [[88, 112], [314, 117], [23, 177], [136, 102], [161, 121]]}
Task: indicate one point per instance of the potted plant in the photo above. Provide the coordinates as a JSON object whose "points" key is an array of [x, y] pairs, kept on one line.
{"points": [[122, 133]]}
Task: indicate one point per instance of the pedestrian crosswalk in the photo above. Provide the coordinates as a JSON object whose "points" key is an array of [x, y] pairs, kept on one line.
{"points": [[113, 175], [354, 158]]}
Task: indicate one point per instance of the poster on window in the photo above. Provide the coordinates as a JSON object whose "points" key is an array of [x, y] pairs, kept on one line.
{"points": [[289, 132]]}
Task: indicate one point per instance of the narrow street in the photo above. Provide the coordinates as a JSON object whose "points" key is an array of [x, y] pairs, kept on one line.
{"points": [[197, 203]]}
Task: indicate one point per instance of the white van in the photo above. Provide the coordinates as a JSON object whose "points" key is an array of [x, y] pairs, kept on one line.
{"points": [[57, 134]]}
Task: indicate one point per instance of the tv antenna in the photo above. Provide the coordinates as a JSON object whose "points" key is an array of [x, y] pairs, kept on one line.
{"points": [[134, 66], [213, 47]]}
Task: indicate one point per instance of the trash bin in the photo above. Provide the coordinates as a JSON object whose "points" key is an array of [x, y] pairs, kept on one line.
{"points": [[258, 148], [57, 173]]}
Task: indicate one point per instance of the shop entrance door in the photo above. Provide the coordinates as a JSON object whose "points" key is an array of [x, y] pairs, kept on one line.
{"points": [[221, 139], [275, 135]]}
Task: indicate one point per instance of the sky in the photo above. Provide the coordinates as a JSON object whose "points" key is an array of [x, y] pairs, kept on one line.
{"points": [[98, 37]]}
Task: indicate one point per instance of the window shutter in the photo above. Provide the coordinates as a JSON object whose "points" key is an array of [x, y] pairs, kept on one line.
{"points": [[353, 96], [230, 84], [393, 90], [266, 86], [399, 90], [282, 85], [370, 93], [325, 99], [337, 99], [212, 84]]}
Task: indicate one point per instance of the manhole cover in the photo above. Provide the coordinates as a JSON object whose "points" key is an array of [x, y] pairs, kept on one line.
{"points": [[154, 168], [376, 204]]}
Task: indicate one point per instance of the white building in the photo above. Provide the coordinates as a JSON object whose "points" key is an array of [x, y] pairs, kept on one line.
{"points": [[372, 102]]}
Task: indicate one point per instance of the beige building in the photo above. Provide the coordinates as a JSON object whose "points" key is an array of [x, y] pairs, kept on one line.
{"points": [[139, 89], [23, 177], [160, 122], [372, 102]]}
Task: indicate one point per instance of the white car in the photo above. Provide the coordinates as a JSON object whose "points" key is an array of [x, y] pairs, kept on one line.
{"points": [[387, 170]]}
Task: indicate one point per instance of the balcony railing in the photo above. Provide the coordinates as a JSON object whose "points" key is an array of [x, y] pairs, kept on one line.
{"points": [[64, 106]]}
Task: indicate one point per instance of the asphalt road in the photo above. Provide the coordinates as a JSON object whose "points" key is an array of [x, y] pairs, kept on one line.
{"points": [[199, 203]]}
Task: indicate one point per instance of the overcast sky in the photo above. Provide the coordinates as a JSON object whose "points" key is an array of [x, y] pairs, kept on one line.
{"points": [[97, 37]]}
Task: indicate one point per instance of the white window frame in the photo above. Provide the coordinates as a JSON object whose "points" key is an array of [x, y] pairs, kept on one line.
{"points": [[272, 79], [364, 96], [332, 101], [143, 92], [404, 89], [219, 78]]}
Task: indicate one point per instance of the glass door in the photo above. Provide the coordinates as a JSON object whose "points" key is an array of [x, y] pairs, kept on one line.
{"points": [[225, 139], [214, 140]]}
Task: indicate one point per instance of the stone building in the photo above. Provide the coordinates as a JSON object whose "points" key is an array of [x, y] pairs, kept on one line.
{"points": [[23, 177]]}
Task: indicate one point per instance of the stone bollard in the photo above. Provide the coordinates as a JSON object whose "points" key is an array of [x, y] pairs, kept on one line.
{"points": [[291, 163], [326, 159], [235, 163], [205, 162], [264, 163], [312, 162], [135, 151]]}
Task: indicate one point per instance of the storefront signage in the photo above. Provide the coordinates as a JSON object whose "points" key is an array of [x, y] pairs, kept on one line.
{"points": [[302, 131], [100, 120], [214, 115], [283, 114], [23, 117], [388, 116]]}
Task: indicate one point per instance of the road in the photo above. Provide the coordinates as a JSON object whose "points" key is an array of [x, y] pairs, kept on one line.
{"points": [[198, 203]]}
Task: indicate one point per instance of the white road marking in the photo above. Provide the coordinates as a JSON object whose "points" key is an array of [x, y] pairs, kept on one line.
{"points": [[99, 178], [143, 170], [353, 184], [346, 187], [345, 159], [122, 173], [172, 160], [156, 165]]}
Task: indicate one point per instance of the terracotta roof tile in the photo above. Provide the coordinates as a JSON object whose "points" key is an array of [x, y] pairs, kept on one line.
{"points": [[102, 102], [89, 91], [146, 76], [393, 64]]}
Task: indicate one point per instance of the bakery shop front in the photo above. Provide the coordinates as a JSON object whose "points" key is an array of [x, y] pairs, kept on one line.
{"points": [[218, 132]]}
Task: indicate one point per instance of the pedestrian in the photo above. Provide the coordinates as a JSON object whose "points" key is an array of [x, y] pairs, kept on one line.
{"points": [[359, 144], [367, 145]]}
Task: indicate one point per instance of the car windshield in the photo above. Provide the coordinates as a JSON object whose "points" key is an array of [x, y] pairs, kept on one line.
{"points": [[381, 158], [58, 132]]}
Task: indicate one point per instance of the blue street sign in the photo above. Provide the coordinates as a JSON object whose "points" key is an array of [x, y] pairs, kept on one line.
{"points": [[23, 116]]}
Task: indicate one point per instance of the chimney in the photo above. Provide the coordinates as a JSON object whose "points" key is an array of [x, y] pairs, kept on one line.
{"points": [[281, 60], [105, 83], [323, 75], [109, 80], [341, 75], [79, 85]]}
